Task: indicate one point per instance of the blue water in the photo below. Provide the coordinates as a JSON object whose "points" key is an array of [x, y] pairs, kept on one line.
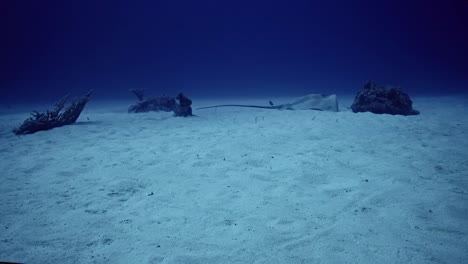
{"points": [[230, 48]]}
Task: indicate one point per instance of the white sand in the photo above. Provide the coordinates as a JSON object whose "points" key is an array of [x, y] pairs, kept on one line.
{"points": [[238, 185]]}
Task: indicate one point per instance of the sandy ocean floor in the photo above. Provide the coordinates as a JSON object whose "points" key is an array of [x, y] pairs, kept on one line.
{"points": [[236, 185]]}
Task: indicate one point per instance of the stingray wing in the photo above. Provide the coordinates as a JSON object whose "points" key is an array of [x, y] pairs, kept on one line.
{"points": [[314, 102]]}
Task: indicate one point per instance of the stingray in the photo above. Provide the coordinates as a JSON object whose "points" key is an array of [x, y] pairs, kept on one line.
{"points": [[319, 102]]}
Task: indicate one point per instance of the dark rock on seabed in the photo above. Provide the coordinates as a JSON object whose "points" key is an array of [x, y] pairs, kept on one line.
{"points": [[162, 103], [382, 100], [184, 107]]}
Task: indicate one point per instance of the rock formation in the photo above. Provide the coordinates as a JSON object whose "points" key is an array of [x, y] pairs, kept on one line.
{"points": [[382, 100]]}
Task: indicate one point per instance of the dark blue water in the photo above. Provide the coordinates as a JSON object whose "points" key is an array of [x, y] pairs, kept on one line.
{"points": [[230, 48]]}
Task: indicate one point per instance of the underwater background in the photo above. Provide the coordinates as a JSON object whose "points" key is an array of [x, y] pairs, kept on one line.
{"points": [[138, 179], [230, 48]]}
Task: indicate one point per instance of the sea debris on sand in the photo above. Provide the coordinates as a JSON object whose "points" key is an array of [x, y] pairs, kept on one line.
{"points": [[54, 118]]}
